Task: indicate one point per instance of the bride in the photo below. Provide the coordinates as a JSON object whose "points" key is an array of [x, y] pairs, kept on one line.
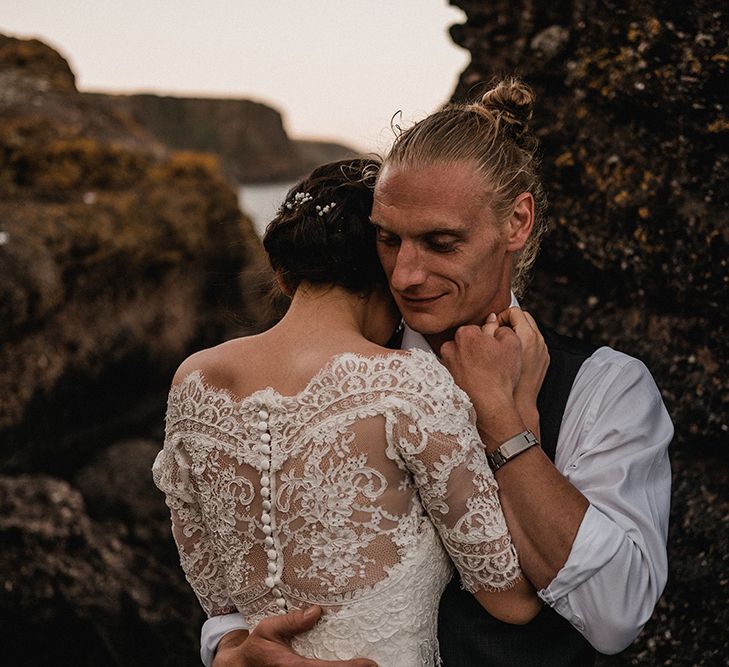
{"points": [[311, 465]]}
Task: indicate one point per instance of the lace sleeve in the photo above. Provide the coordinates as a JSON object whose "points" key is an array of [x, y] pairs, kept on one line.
{"points": [[198, 558], [436, 437]]}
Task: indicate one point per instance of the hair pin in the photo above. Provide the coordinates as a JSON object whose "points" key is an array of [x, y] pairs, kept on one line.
{"points": [[322, 210], [299, 199]]}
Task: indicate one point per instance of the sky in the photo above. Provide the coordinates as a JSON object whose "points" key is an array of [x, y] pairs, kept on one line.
{"points": [[336, 69]]}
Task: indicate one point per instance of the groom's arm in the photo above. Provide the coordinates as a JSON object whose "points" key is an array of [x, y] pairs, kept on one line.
{"points": [[592, 537], [215, 629]]}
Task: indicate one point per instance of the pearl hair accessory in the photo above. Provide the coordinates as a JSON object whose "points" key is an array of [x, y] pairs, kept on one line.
{"points": [[322, 210], [299, 199]]}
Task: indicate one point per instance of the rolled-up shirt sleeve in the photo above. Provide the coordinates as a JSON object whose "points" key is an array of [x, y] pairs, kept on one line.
{"points": [[614, 448], [214, 629]]}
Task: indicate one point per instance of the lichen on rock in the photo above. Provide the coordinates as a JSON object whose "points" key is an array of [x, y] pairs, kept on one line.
{"points": [[632, 117], [114, 247], [118, 257]]}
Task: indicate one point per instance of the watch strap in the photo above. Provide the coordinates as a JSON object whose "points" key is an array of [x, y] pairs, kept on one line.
{"points": [[511, 448]]}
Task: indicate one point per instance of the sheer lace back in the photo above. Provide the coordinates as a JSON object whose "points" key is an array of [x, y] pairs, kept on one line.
{"points": [[342, 495]]}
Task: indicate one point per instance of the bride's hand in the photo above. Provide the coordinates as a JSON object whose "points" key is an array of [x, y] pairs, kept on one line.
{"points": [[535, 361]]}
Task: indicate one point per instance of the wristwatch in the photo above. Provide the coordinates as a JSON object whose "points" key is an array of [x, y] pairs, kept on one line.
{"points": [[511, 448]]}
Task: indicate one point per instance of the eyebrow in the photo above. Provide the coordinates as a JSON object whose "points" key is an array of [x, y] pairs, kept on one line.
{"points": [[446, 231], [458, 232]]}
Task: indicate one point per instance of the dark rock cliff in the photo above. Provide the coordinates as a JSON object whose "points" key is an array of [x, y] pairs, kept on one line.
{"points": [[248, 137], [632, 116], [117, 258]]}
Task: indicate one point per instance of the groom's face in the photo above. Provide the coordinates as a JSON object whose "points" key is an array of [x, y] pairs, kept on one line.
{"points": [[446, 257]]}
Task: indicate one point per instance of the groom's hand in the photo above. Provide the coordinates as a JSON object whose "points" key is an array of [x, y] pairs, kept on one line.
{"points": [[268, 645]]}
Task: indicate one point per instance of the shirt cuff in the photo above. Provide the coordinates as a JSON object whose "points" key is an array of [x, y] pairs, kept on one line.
{"points": [[598, 540], [214, 629]]}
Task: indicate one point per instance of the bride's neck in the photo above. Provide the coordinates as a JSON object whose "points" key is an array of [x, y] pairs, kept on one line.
{"points": [[325, 310]]}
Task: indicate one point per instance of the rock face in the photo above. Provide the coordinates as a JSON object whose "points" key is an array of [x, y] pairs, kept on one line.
{"points": [[77, 591], [632, 116], [37, 61], [118, 258], [248, 137]]}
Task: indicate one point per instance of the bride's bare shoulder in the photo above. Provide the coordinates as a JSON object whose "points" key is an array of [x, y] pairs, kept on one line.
{"points": [[219, 365]]}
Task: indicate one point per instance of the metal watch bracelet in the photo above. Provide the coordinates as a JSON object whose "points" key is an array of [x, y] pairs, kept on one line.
{"points": [[511, 448]]}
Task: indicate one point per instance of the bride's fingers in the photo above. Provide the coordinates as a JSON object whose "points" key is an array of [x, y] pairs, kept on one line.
{"points": [[510, 317], [492, 324], [503, 318], [523, 324]]}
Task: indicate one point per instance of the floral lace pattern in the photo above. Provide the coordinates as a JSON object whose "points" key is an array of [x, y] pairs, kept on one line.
{"points": [[351, 495]]}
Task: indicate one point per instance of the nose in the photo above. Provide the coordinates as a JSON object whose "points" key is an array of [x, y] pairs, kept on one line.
{"points": [[409, 270]]}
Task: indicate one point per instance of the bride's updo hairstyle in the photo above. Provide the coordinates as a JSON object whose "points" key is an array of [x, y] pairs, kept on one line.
{"points": [[493, 133], [322, 233]]}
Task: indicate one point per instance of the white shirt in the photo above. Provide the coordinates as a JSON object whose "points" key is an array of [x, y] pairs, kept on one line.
{"points": [[613, 447]]}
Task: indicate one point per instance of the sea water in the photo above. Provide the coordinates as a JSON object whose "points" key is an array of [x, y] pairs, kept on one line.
{"points": [[261, 201]]}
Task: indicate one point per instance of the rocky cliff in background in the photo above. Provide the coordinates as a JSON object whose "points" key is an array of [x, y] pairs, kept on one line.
{"points": [[248, 137], [632, 113], [117, 258]]}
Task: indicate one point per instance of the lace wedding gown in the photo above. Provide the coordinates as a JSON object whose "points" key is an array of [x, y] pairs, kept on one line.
{"points": [[352, 495]]}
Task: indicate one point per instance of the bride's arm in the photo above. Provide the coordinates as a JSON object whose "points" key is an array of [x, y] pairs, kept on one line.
{"points": [[445, 455], [172, 475], [518, 605], [460, 494]]}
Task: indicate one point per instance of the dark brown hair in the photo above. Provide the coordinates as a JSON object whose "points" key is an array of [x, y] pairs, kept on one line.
{"points": [[322, 233]]}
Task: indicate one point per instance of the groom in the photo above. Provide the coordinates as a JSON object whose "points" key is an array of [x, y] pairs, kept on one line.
{"points": [[588, 509]]}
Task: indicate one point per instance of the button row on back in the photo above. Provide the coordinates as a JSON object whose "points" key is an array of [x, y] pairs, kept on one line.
{"points": [[273, 580]]}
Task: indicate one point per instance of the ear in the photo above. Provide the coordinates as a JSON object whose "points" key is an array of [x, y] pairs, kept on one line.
{"points": [[282, 285], [521, 221]]}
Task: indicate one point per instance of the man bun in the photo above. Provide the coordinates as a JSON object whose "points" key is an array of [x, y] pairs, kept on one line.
{"points": [[512, 102]]}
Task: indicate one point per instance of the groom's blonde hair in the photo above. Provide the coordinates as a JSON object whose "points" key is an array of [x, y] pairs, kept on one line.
{"points": [[493, 134]]}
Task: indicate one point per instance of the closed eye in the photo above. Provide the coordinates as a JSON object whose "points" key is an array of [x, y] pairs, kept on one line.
{"points": [[386, 238], [442, 243]]}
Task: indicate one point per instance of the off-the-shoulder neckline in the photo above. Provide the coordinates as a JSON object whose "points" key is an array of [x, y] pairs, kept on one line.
{"points": [[268, 394]]}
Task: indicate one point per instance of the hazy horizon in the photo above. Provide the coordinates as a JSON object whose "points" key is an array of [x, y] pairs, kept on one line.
{"points": [[336, 72]]}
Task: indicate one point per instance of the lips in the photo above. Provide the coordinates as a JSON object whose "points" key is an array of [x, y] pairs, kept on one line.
{"points": [[419, 300]]}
